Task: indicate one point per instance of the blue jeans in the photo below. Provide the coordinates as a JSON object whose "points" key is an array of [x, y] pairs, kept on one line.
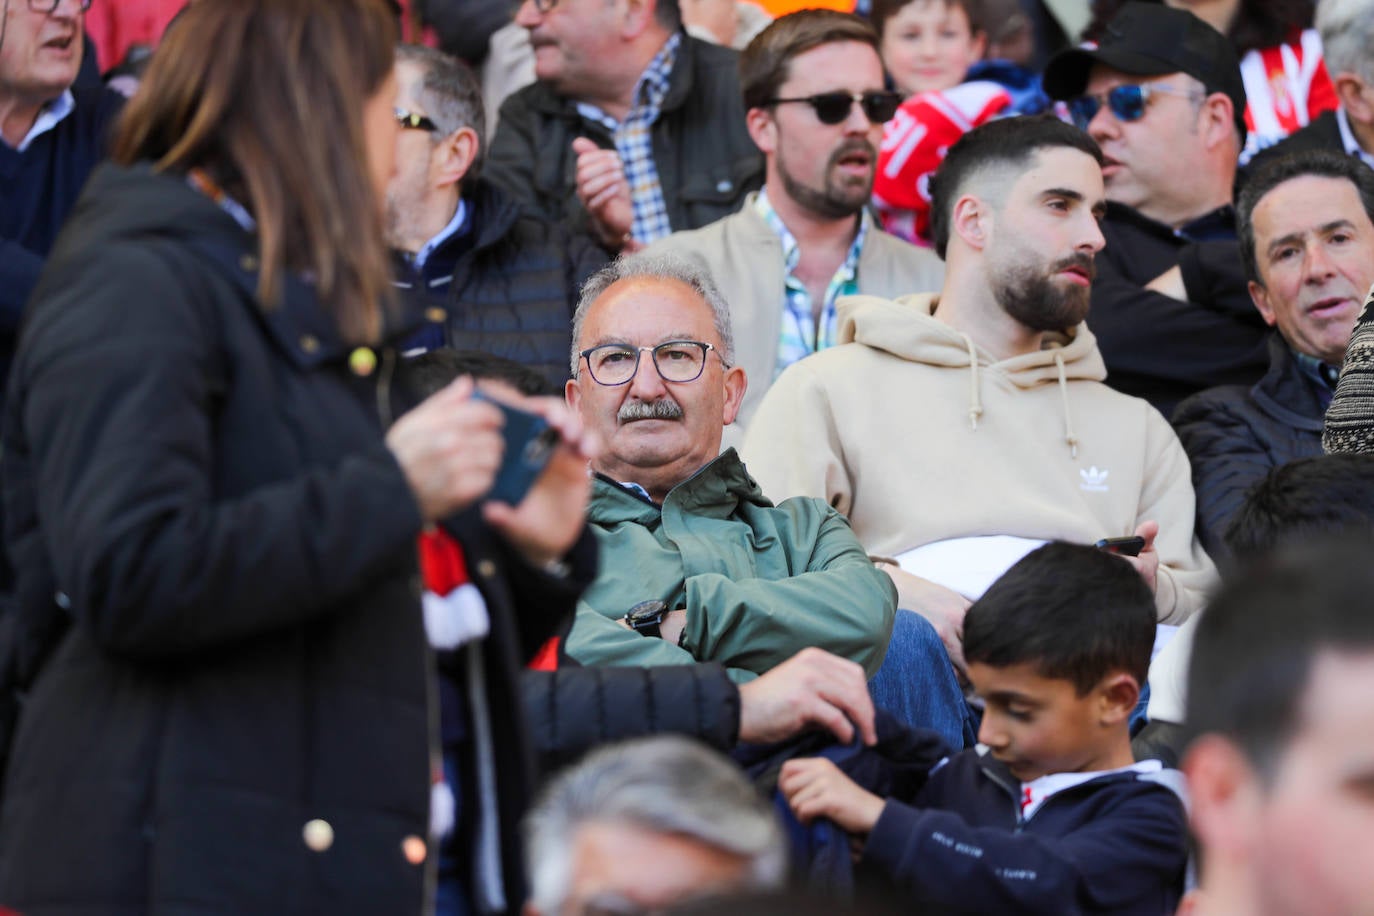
{"points": [[916, 682]]}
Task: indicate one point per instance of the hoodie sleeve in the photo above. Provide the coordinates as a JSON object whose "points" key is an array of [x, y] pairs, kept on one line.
{"points": [[1166, 496], [793, 447], [1131, 853]]}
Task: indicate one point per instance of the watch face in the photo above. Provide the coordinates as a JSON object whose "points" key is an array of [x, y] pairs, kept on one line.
{"points": [[650, 611]]}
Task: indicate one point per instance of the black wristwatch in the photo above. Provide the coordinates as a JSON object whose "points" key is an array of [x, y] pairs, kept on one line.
{"points": [[646, 617]]}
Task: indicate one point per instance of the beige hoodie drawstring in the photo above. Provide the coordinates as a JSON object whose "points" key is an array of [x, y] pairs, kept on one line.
{"points": [[975, 401], [1069, 436]]}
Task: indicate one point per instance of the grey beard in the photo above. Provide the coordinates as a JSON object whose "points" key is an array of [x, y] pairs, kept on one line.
{"points": [[662, 409]]}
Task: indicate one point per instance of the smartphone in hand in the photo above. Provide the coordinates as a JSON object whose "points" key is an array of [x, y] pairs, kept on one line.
{"points": [[529, 443], [1130, 546]]}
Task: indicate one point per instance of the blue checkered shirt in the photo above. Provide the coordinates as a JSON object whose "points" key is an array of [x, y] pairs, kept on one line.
{"points": [[634, 143], [804, 329]]}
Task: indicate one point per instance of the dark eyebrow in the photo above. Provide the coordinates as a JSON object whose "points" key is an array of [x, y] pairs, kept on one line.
{"points": [[1007, 697], [1293, 238], [1099, 208]]}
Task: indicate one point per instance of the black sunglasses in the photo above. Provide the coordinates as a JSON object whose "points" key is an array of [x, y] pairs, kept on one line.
{"points": [[410, 121], [1126, 103], [833, 107]]}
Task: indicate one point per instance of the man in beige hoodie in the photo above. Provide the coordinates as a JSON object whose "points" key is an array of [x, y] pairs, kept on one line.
{"points": [[943, 420]]}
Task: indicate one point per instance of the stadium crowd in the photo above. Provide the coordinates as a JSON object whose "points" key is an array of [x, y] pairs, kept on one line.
{"points": [[686, 456]]}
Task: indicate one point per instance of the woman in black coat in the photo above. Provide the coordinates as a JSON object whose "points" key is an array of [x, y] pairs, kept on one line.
{"points": [[229, 695]]}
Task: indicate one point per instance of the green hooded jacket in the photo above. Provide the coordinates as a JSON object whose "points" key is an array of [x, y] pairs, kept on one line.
{"points": [[759, 582]]}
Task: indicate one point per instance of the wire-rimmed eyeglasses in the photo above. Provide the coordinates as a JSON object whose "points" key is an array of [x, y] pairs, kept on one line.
{"points": [[48, 7], [675, 360]]}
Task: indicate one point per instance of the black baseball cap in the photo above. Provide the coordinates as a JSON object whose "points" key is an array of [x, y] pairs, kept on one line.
{"points": [[1151, 39]]}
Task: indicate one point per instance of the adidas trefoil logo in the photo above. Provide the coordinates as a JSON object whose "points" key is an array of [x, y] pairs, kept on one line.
{"points": [[1094, 479]]}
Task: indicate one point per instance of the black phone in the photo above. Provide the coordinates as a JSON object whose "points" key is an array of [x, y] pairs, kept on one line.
{"points": [[1130, 546], [529, 443]]}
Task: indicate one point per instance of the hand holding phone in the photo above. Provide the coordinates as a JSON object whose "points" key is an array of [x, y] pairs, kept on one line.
{"points": [[529, 443], [1130, 546]]}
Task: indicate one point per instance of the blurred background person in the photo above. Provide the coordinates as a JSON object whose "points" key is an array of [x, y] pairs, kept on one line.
{"points": [[1286, 82], [646, 824], [231, 629], [934, 53]]}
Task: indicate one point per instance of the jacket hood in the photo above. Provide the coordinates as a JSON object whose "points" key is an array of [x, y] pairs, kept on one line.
{"points": [[906, 328], [130, 202]]}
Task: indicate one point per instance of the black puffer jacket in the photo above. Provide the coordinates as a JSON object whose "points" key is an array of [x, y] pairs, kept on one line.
{"points": [[1235, 436], [509, 285], [201, 487], [705, 158], [573, 709]]}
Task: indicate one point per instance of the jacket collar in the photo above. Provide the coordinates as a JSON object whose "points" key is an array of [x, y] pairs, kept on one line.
{"points": [[717, 490], [1287, 393], [1214, 224]]}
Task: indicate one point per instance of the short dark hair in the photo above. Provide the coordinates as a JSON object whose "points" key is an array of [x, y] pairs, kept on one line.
{"points": [[668, 14], [451, 94], [1269, 173], [883, 10], [1076, 613], [1256, 643], [1306, 498], [1006, 143], [428, 372], [765, 64]]}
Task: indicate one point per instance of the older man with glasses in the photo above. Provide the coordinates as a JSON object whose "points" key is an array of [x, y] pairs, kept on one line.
{"points": [[1163, 96], [51, 136], [696, 564]]}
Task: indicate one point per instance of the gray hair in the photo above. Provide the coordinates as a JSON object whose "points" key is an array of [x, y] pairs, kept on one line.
{"points": [[656, 266], [1347, 31], [451, 94], [666, 784]]}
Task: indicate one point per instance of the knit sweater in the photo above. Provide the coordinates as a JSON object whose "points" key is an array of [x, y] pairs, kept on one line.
{"points": [[37, 190], [919, 435]]}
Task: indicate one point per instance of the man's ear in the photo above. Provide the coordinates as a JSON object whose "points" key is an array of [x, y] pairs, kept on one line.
{"points": [[1225, 794], [457, 153], [573, 395], [971, 221], [736, 384], [1218, 121], [1260, 296], [1118, 694], [1350, 90], [763, 130]]}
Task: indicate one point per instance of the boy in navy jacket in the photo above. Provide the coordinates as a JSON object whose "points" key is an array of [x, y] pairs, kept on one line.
{"points": [[1051, 813]]}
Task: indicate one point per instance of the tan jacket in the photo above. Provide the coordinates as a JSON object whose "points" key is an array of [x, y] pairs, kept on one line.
{"points": [[744, 257], [919, 436]]}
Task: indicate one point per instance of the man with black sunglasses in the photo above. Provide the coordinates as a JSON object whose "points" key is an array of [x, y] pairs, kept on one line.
{"points": [[1162, 95], [813, 90], [51, 136]]}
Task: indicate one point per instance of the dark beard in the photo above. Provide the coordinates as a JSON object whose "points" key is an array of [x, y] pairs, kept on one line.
{"points": [[836, 200], [1035, 300]]}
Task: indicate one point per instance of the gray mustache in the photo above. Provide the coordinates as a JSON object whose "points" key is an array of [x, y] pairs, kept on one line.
{"points": [[662, 409]]}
